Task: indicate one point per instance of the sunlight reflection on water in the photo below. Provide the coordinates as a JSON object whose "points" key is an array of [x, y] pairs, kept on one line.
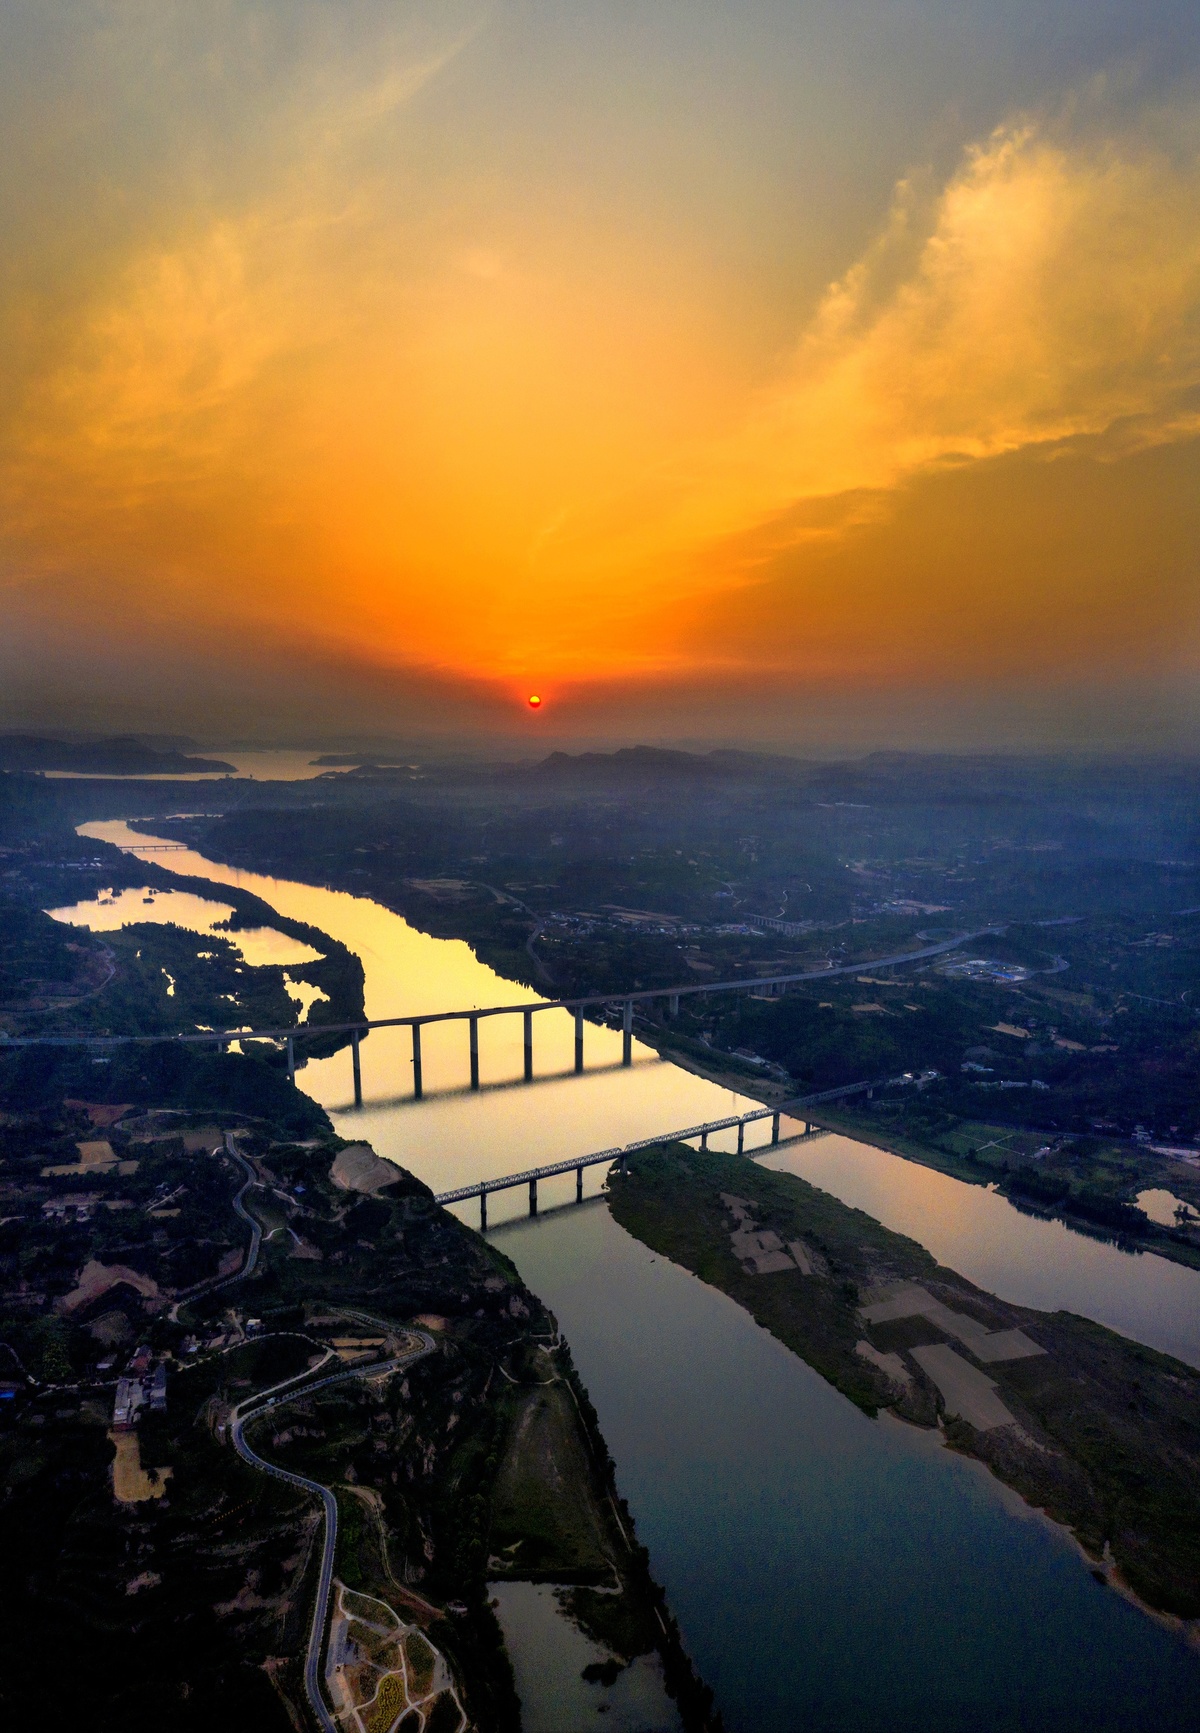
{"points": [[456, 1135], [112, 910], [827, 1570]]}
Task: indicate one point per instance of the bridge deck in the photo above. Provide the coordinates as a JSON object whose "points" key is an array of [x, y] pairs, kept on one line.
{"points": [[685, 989], [484, 1187]]}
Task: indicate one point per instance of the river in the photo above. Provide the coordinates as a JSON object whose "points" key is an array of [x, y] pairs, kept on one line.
{"points": [[827, 1571]]}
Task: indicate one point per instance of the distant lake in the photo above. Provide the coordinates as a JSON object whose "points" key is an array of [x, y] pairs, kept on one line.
{"points": [[263, 765]]}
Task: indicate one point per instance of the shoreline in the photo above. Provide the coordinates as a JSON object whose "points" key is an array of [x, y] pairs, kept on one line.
{"points": [[1060, 1434]]}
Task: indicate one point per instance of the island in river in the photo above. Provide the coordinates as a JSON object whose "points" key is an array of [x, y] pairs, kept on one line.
{"points": [[1100, 1432]]}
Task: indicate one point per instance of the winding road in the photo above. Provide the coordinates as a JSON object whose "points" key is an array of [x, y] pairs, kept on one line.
{"points": [[250, 1263], [240, 1209], [273, 1397]]}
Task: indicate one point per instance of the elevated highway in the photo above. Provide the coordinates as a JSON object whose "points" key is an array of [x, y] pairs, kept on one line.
{"points": [[482, 1189], [471, 1015]]}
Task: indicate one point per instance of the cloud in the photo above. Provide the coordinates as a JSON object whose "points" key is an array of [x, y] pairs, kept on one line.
{"points": [[408, 383], [1049, 291], [1057, 293], [176, 362]]}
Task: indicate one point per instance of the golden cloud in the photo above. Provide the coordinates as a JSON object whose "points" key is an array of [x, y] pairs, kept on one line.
{"points": [[496, 450], [1050, 291]]}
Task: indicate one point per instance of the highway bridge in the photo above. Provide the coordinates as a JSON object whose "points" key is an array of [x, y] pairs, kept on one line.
{"points": [[483, 1188], [471, 1015]]}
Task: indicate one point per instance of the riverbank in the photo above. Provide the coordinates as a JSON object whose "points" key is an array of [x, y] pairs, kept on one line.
{"points": [[440, 1479], [1096, 1430], [1092, 1191], [822, 1565]]}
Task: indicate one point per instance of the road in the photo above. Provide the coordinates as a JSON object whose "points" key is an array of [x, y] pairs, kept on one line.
{"points": [[583, 1001], [618, 1155], [263, 1402], [239, 1208], [250, 1263]]}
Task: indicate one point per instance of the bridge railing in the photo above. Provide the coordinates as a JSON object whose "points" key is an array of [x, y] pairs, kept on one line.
{"points": [[620, 1153], [416, 1021]]}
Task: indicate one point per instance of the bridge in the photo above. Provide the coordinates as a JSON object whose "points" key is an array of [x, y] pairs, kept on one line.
{"points": [[471, 1015], [482, 1189]]}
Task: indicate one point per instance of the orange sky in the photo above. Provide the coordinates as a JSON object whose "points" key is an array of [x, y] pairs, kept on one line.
{"points": [[458, 352]]}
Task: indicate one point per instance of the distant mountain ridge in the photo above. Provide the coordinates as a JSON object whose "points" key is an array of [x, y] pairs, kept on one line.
{"points": [[878, 779], [630, 763], [122, 755]]}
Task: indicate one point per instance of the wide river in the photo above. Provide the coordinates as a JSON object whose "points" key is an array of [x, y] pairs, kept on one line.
{"points": [[827, 1571]]}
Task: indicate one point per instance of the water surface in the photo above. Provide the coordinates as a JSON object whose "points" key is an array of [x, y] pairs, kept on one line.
{"points": [[549, 1653], [829, 1572], [1025, 1258], [455, 1136], [136, 905], [270, 764]]}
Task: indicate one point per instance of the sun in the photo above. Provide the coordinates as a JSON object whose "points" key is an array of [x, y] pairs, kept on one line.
{"points": [[534, 701]]}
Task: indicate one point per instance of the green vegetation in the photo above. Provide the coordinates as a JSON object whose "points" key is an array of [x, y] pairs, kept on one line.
{"points": [[414, 1461], [1089, 1182], [195, 1080], [215, 1576], [606, 873], [601, 873], [41, 960], [152, 978], [545, 1520], [443, 1715], [615, 1621], [1106, 1435], [418, 1658]]}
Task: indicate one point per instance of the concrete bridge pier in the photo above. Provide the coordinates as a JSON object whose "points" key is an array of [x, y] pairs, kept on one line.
{"points": [[673, 1005], [704, 1140], [579, 1039], [417, 1090], [627, 1034], [741, 1136], [533, 1197], [483, 1212], [579, 1185], [354, 1059], [474, 1024], [291, 1059], [529, 1046], [774, 1128]]}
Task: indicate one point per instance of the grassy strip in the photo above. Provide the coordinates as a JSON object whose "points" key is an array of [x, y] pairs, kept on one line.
{"points": [[557, 1516], [867, 1129], [545, 1520]]}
